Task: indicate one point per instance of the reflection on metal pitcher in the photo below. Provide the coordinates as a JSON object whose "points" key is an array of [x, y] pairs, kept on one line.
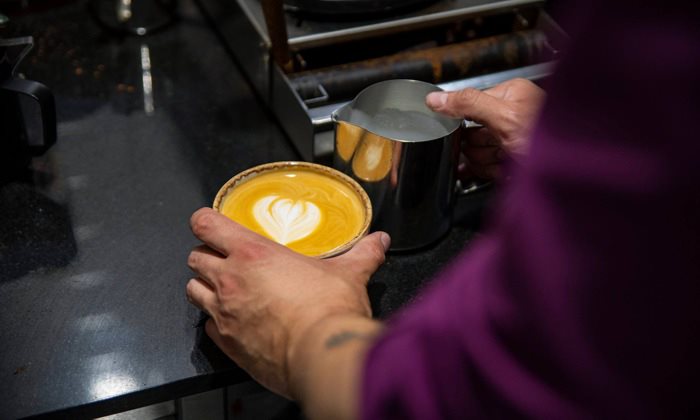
{"points": [[404, 155]]}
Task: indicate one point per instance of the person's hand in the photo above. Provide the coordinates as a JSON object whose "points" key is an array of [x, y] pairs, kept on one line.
{"points": [[507, 112], [263, 297]]}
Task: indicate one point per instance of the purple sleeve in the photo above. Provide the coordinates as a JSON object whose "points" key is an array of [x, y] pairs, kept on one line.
{"points": [[583, 299]]}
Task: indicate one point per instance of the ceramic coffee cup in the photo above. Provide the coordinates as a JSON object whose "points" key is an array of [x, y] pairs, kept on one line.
{"points": [[310, 208]]}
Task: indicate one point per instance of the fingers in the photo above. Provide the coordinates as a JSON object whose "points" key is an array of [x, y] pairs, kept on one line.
{"points": [[492, 171], [218, 231], [366, 256], [484, 162], [201, 294], [467, 103], [499, 91], [480, 137], [206, 263], [517, 88], [483, 155]]}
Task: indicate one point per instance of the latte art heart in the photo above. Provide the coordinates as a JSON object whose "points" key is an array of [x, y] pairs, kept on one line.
{"points": [[286, 220], [307, 209]]}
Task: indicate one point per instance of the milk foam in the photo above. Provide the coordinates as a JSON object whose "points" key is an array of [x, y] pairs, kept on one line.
{"points": [[286, 220]]}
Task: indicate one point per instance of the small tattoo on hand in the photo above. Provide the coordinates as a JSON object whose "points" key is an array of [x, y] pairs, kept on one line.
{"points": [[341, 338]]}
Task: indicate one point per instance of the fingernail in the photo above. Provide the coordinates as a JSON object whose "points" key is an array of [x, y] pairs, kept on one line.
{"points": [[436, 99], [386, 240]]}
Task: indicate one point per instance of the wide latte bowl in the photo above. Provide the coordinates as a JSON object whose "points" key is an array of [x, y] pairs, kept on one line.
{"points": [[310, 208]]}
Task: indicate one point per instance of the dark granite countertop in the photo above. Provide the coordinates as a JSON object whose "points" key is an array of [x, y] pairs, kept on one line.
{"points": [[94, 237]]}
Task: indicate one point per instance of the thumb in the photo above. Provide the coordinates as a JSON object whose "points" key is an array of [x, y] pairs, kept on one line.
{"points": [[365, 257], [469, 103]]}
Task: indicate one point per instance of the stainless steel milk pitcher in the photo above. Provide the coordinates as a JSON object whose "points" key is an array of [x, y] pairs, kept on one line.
{"points": [[404, 155]]}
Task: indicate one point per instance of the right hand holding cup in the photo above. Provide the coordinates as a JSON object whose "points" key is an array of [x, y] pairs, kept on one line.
{"points": [[507, 112]]}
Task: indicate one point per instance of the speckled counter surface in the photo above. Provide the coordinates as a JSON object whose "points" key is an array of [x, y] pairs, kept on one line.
{"points": [[94, 237]]}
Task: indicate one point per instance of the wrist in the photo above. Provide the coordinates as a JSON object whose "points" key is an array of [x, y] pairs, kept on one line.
{"points": [[313, 340], [327, 357]]}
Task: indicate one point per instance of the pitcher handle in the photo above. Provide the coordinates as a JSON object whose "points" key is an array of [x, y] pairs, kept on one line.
{"points": [[472, 187]]}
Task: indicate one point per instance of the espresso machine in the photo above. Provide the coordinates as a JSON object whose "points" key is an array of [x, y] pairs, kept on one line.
{"points": [[306, 58]]}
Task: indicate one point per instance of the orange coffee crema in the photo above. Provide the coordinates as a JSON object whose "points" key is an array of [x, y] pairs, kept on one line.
{"points": [[308, 211]]}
